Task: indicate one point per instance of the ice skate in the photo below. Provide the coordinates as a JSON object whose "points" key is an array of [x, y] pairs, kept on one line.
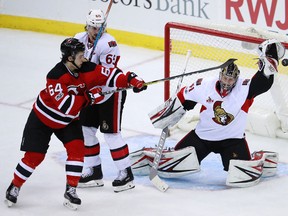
{"points": [[11, 195], [72, 200], [91, 177], [124, 181]]}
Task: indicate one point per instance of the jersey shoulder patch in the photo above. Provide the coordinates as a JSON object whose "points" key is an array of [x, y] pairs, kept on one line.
{"points": [[112, 43]]}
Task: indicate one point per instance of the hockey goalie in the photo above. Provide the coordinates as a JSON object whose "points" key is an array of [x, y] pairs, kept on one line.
{"points": [[225, 101]]}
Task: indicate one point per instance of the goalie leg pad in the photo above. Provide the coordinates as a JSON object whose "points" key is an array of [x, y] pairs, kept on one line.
{"points": [[172, 163], [140, 163], [270, 163], [244, 173], [178, 163]]}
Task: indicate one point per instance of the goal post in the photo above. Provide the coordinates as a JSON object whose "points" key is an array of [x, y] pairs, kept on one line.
{"points": [[214, 44]]}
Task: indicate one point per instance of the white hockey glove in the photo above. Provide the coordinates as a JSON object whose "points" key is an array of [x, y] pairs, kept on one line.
{"points": [[270, 52], [167, 114], [268, 65]]}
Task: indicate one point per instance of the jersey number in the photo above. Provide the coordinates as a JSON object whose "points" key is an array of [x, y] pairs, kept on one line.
{"points": [[57, 89], [111, 59]]}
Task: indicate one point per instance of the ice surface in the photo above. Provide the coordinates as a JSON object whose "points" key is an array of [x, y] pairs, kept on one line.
{"points": [[26, 57]]}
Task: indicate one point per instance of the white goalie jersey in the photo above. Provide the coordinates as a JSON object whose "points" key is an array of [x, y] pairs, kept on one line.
{"points": [[106, 53], [220, 118]]}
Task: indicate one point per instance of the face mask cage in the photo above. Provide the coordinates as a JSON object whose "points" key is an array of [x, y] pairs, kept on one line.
{"points": [[228, 77]]}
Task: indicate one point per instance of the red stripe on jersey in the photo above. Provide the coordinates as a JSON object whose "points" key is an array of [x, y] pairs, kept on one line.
{"points": [[120, 153], [180, 95], [47, 121], [92, 150], [116, 62], [202, 108], [115, 113], [247, 104]]}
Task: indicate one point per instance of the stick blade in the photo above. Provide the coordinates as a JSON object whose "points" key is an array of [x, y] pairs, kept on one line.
{"points": [[229, 61], [157, 182]]}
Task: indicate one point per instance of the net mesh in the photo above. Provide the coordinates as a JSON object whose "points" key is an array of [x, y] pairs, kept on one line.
{"points": [[213, 45]]}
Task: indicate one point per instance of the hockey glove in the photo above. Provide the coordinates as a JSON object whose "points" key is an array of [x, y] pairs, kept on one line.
{"points": [[135, 81], [268, 65], [93, 96], [167, 114], [271, 48]]}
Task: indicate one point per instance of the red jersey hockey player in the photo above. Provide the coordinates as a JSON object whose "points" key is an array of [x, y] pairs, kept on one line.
{"points": [[69, 88]]}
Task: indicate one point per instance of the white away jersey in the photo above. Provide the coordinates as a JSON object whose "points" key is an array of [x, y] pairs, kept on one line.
{"points": [[106, 53], [220, 118]]}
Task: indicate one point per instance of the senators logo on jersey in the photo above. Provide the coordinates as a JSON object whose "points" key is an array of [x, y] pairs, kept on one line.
{"points": [[112, 43], [221, 116]]}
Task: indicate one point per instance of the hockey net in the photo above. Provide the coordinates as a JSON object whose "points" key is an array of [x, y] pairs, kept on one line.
{"points": [[211, 45]]}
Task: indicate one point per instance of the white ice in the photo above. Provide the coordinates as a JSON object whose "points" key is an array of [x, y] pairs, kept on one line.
{"points": [[26, 57]]}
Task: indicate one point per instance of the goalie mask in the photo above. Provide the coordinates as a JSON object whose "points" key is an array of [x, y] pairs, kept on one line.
{"points": [[227, 78]]}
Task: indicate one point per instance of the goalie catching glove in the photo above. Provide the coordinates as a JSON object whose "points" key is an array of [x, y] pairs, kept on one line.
{"points": [[136, 82], [270, 52]]}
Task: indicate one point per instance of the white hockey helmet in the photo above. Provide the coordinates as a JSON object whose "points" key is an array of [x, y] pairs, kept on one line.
{"points": [[96, 18]]}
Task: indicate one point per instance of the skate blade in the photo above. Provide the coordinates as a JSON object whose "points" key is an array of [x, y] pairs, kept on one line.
{"points": [[128, 186], [93, 183], [9, 203], [70, 205]]}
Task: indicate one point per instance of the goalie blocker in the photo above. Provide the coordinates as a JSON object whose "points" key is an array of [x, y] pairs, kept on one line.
{"points": [[167, 114]]}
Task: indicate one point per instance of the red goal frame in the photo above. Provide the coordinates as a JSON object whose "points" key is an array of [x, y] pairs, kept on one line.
{"points": [[198, 29]]}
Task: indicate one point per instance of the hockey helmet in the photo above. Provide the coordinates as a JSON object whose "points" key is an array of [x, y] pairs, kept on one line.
{"points": [[70, 47], [96, 18], [228, 77]]}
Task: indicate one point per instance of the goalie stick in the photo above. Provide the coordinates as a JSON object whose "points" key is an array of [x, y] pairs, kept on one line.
{"points": [[101, 29], [225, 64], [153, 176]]}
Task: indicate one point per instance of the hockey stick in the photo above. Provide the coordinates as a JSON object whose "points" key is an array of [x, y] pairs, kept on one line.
{"points": [[153, 176], [225, 64], [101, 29]]}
